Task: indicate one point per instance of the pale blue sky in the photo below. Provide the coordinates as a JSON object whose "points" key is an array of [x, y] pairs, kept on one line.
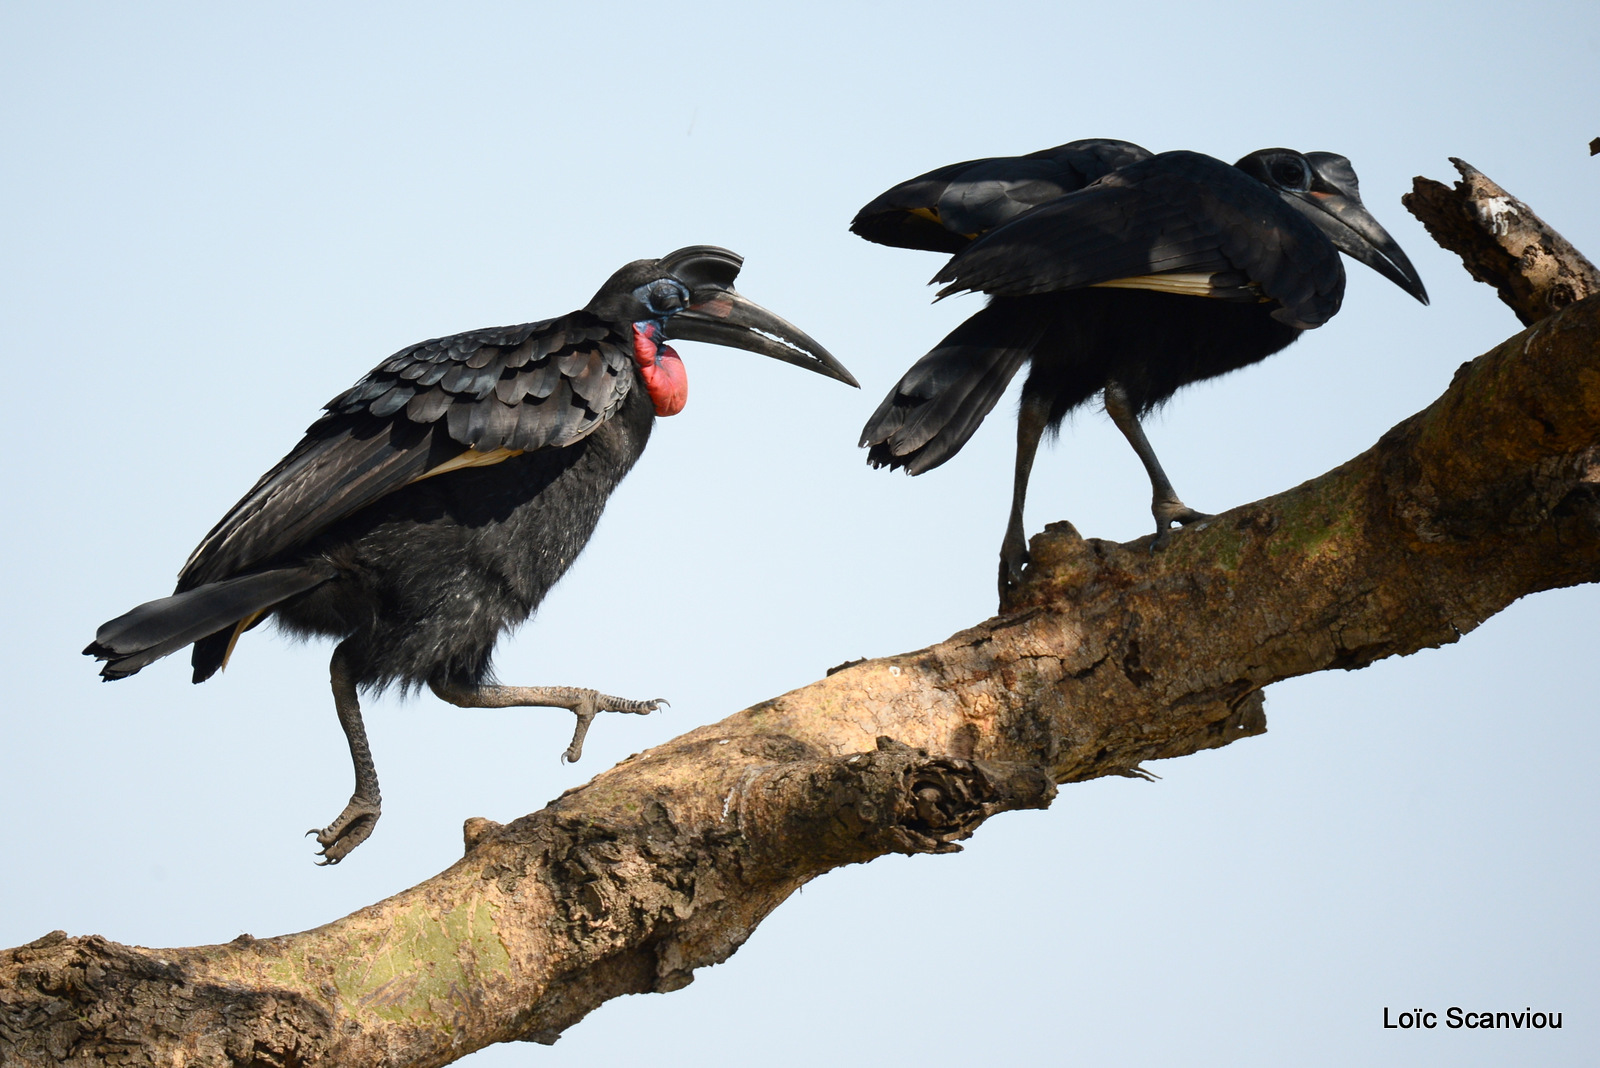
{"points": [[220, 216]]}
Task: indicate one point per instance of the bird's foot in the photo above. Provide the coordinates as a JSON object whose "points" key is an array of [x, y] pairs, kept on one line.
{"points": [[590, 703], [349, 830], [1013, 558], [582, 702], [1168, 512]]}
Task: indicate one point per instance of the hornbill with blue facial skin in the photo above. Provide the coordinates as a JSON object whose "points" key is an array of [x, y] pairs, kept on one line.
{"points": [[1116, 272], [438, 500]]}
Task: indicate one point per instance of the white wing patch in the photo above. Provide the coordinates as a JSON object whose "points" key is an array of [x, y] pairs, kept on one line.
{"points": [[470, 458], [1187, 283]]}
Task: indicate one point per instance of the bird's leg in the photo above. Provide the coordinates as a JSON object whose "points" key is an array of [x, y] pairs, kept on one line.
{"points": [[355, 823], [1032, 418], [586, 704], [1164, 502]]}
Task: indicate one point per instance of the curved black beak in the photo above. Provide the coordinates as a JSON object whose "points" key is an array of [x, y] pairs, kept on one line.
{"points": [[1354, 231], [722, 316], [1334, 204]]}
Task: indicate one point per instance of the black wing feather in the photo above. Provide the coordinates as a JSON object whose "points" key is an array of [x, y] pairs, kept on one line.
{"points": [[939, 403], [1176, 212], [507, 388], [535, 422], [941, 210]]}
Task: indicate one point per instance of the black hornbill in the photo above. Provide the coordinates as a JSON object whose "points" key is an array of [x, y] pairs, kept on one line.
{"points": [[439, 499], [1113, 271]]}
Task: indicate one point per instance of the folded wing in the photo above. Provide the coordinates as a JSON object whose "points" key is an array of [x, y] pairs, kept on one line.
{"points": [[1178, 222], [467, 400]]}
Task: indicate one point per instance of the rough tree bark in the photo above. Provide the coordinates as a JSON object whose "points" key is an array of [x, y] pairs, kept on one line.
{"points": [[1109, 656], [1502, 243]]}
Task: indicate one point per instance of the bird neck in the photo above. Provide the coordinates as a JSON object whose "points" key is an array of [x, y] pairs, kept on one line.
{"points": [[664, 377]]}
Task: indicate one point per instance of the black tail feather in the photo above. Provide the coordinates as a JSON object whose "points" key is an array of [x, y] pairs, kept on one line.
{"points": [[942, 399], [164, 626]]}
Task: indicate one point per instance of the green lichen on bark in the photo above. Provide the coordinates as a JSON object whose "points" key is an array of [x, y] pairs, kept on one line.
{"points": [[423, 964]]}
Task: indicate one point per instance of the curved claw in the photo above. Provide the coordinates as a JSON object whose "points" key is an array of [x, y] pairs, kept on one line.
{"points": [[574, 750], [634, 708], [352, 827], [592, 705]]}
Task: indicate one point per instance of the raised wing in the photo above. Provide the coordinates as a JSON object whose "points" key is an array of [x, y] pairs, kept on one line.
{"points": [[943, 210], [1180, 222], [467, 400]]}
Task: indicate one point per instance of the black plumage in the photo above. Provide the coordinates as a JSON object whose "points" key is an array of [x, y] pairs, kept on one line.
{"points": [[1140, 274], [438, 500], [943, 210]]}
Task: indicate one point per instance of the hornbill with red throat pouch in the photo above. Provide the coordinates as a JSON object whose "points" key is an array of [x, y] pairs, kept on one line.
{"points": [[438, 500], [1116, 272]]}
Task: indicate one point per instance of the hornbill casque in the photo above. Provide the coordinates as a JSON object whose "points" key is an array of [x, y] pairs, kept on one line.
{"points": [[1116, 272], [438, 500]]}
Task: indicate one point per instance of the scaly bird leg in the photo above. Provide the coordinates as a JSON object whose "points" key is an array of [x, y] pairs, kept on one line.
{"points": [[355, 823], [586, 704], [1032, 418], [1164, 502]]}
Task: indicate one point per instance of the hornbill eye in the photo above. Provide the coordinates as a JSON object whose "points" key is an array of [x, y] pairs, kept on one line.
{"points": [[1290, 174], [664, 296]]}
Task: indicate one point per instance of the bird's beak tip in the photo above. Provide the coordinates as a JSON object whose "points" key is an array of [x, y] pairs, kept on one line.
{"points": [[722, 316]]}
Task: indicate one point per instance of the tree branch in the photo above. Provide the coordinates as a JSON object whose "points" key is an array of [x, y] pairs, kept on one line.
{"points": [[1108, 657], [1502, 243]]}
